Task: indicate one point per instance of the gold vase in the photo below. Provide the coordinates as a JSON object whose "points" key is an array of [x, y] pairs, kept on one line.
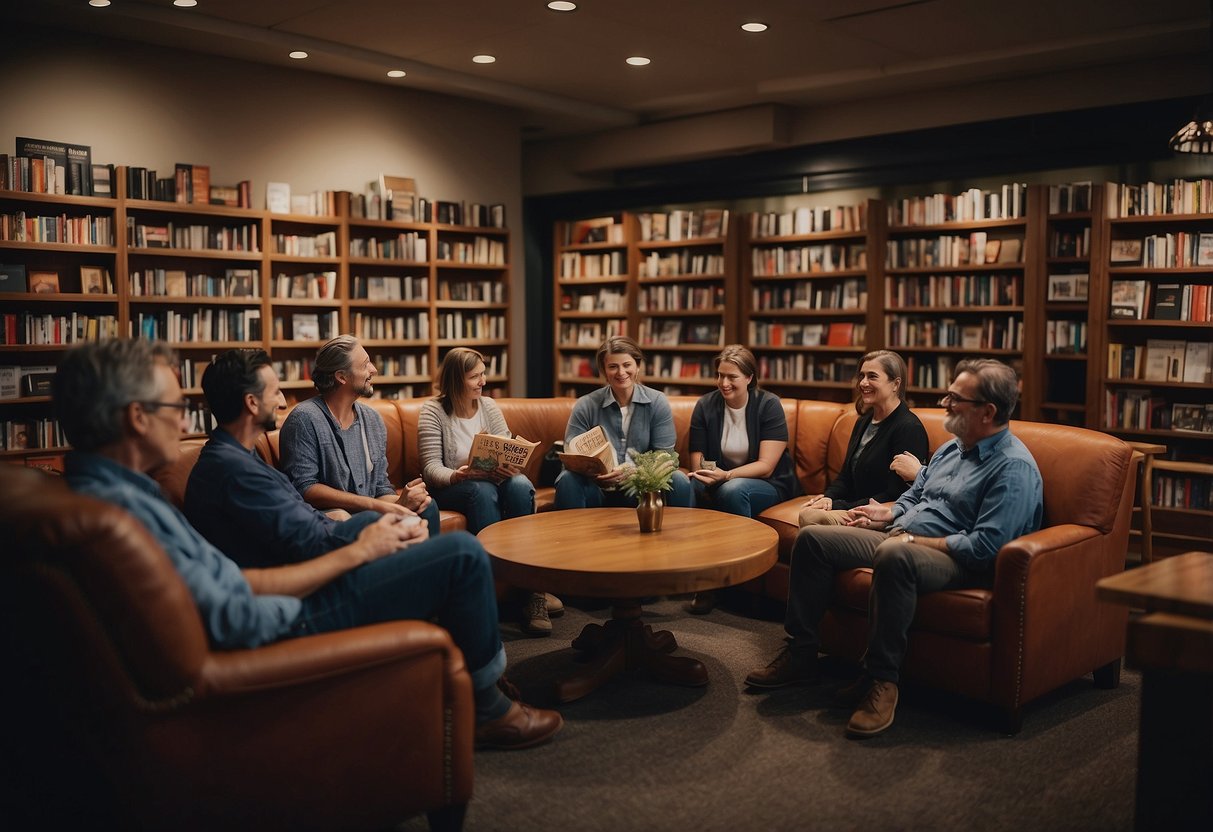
{"points": [[650, 510]]}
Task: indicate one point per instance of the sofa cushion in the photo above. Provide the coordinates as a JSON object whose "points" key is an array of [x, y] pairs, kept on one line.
{"points": [[960, 613], [176, 475], [814, 423]]}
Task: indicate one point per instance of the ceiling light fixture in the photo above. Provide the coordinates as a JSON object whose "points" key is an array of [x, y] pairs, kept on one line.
{"points": [[99, 4], [639, 60], [185, 4], [562, 6], [1197, 135], [395, 73], [754, 27], [298, 55], [483, 59]]}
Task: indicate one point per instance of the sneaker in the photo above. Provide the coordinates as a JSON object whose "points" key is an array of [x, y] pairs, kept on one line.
{"points": [[875, 714], [555, 605], [702, 604], [849, 697], [789, 667], [522, 727], [535, 620]]}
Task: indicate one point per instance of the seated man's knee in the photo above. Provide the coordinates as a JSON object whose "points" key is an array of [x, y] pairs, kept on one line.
{"points": [[892, 556]]}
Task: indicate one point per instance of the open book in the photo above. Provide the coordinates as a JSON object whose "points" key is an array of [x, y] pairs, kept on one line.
{"points": [[490, 452], [590, 453]]}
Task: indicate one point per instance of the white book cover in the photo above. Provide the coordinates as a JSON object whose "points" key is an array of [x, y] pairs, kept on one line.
{"points": [[278, 197], [1198, 366]]}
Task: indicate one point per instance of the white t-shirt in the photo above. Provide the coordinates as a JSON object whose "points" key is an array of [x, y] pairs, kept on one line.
{"points": [[626, 412], [734, 440], [462, 433]]}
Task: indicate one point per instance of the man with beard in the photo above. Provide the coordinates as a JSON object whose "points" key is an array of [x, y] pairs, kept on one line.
{"points": [[250, 511], [334, 447], [979, 491]]}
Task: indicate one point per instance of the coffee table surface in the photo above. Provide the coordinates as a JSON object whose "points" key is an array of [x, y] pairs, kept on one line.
{"points": [[601, 552], [1182, 584]]}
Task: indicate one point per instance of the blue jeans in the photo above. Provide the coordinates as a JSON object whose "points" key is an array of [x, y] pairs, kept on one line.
{"points": [[483, 502], [745, 496], [576, 491], [447, 579], [432, 517]]}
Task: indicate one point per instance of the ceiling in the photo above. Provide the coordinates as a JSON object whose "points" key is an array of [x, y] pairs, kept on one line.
{"points": [[566, 72]]}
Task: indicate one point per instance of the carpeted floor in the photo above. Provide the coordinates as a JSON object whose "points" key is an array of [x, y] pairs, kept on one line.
{"points": [[644, 756]]}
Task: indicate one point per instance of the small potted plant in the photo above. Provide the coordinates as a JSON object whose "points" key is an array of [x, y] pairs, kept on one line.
{"points": [[652, 472]]}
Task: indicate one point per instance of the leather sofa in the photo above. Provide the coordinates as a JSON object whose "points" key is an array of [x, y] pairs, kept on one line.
{"points": [[118, 714], [1037, 629]]}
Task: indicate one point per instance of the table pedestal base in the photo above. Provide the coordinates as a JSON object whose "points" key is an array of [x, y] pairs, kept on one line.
{"points": [[626, 643]]}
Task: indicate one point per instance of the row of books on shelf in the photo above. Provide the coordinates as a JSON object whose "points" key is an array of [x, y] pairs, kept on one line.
{"points": [[976, 249], [673, 333], [201, 325], [279, 199], [1065, 242], [678, 366], [602, 300], [665, 264], [1065, 337], [1161, 359], [305, 286], [1164, 251], [812, 259], [955, 290], [1183, 491], [78, 230], [1129, 409], [390, 287], [1069, 288], [576, 264], [1159, 198], [801, 366], [480, 251], [93, 280], [369, 327], [705, 223], [20, 435], [307, 326], [53, 167], [1010, 201], [471, 325], [836, 334], [1070, 198], [1162, 301], [408, 246], [851, 293], [323, 244], [192, 184], [678, 297], [25, 380], [480, 291], [242, 237], [806, 220], [596, 230], [930, 373], [233, 283], [590, 333], [1003, 333], [33, 328]]}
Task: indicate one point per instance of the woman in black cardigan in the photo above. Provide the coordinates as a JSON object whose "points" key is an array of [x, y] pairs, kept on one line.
{"points": [[886, 429]]}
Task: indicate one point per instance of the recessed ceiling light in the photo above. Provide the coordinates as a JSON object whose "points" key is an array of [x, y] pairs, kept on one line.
{"points": [[298, 55], [754, 27], [639, 60], [395, 73], [185, 4], [100, 4], [562, 6], [483, 59]]}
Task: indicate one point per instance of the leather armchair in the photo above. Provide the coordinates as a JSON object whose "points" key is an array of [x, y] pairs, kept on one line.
{"points": [[117, 698]]}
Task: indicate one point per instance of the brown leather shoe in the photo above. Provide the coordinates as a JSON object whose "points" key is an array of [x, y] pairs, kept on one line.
{"points": [[702, 604], [849, 697], [790, 667], [522, 727], [875, 714]]}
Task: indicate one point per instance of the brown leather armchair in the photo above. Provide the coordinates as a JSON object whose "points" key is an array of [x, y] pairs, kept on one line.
{"points": [[117, 698]]}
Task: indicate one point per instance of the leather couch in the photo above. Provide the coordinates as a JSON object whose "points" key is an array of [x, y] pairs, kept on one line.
{"points": [[118, 714], [1037, 629]]}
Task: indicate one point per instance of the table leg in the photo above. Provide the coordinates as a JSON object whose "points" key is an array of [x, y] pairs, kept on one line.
{"points": [[626, 643]]}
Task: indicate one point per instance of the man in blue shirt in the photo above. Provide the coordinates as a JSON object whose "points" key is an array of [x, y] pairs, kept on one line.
{"points": [[121, 406], [979, 491]]}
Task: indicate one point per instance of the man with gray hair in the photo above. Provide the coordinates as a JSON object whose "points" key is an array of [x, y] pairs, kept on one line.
{"points": [[334, 447], [979, 491]]}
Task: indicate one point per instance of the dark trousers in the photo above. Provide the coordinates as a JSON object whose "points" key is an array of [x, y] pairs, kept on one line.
{"points": [[900, 573]]}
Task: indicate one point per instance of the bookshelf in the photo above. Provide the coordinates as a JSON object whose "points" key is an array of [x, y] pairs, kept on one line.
{"points": [[207, 278]]}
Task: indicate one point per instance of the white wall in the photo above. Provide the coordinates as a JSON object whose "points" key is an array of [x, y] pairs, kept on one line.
{"points": [[152, 107]]}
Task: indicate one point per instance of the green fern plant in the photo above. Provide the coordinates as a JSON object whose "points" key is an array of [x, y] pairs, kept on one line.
{"points": [[651, 471]]}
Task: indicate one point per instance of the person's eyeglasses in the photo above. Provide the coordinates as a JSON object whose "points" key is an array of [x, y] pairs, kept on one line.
{"points": [[950, 399], [182, 406]]}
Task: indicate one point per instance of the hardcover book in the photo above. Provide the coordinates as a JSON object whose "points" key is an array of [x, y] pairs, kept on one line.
{"points": [[10, 382], [64, 155], [490, 453], [1197, 365], [278, 197], [1126, 252], [1009, 251], [1164, 360], [1167, 301], [1128, 299], [12, 278], [305, 326]]}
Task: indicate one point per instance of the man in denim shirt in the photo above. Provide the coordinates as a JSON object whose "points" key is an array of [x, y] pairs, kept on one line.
{"points": [[121, 406], [979, 491]]}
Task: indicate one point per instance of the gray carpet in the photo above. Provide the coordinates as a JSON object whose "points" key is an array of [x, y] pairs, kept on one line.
{"points": [[640, 755]]}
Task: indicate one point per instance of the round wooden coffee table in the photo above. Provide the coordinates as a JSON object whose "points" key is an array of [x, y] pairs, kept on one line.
{"points": [[601, 553]]}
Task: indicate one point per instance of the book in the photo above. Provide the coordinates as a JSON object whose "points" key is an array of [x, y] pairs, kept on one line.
{"points": [[1164, 360], [1126, 252], [1068, 287], [1010, 250], [44, 282], [491, 452], [305, 326], [64, 155], [94, 280], [174, 282], [10, 382], [1198, 363], [1128, 299], [839, 334], [589, 453], [51, 463], [200, 184], [278, 197], [992, 249], [103, 178], [12, 278], [1166, 301]]}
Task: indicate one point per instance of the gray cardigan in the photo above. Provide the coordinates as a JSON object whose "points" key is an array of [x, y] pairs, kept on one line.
{"points": [[311, 452], [434, 436]]}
